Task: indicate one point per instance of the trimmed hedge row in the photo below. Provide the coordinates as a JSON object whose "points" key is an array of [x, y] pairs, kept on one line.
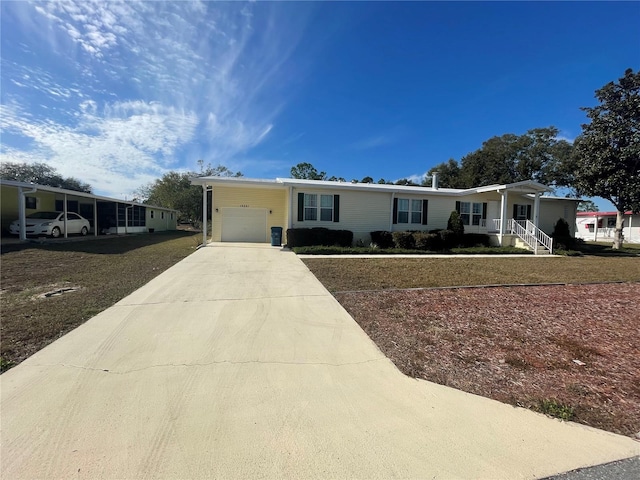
{"points": [[306, 237], [434, 240]]}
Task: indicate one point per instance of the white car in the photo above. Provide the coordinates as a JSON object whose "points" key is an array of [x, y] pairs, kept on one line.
{"points": [[52, 224]]}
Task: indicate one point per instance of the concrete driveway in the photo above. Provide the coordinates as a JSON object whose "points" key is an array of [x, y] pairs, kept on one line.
{"points": [[237, 363]]}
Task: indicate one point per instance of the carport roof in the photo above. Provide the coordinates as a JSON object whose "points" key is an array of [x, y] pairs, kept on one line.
{"points": [[47, 188]]}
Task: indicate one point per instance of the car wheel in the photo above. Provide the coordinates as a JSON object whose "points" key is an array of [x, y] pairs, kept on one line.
{"points": [[55, 233], [84, 231]]}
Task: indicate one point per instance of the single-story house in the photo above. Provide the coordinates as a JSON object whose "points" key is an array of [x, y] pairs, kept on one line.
{"points": [[244, 209], [106, 215], [600, 226]]}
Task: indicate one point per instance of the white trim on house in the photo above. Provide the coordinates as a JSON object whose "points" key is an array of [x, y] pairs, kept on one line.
{"points": [[600, 226]]}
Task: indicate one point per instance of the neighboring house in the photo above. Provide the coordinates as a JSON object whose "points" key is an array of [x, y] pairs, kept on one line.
{"points": [[106, 215], [244, 210], [600, 226]]}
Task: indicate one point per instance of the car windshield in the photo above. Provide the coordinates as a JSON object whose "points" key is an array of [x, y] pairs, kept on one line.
{"points": [[44, 215]]}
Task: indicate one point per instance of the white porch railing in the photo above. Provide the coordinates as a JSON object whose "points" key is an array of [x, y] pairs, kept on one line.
{"points": [[527, 232]]}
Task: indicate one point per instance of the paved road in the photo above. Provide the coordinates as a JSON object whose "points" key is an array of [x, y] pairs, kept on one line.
{"points": [[237, 363]]}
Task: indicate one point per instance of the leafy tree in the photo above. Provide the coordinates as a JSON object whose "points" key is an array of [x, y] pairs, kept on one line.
{"points": [[537, 155], [406, 182], [174, 190], [41, 174], [336, 179], [367, 180], [448, 174], [306, 171], [607, 153], [587, 206]]}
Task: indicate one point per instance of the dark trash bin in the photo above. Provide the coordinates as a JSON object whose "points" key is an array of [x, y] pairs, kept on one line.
{"points": [[276, 236]]}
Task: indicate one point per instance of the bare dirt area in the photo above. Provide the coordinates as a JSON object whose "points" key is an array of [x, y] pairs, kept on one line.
{"points": [[571, 351]]}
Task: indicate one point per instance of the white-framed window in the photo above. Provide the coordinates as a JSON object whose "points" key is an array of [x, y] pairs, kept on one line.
{"points": [[416, 211], [476, 213], [403, 210], [326, 208], [472, 213], [310, 206], [409, 211], [465, 212]]}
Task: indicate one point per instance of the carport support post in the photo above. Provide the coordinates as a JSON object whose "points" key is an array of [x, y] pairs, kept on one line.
{"points": [[95, 217], [204, 215], [64, 209], [22, 215]]}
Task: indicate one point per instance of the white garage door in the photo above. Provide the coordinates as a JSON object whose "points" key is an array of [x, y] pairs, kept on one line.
{"points": [[244, 225]]}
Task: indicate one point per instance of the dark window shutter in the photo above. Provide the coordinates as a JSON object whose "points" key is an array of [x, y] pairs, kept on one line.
{"points": [[484, 211], [458, 207], [425, 204], [395, 211], [528, 212], [515, 211], [300, 207], [336, 208]]}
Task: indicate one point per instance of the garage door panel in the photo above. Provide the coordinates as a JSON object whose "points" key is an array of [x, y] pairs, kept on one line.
{"points": [[244, 225]]}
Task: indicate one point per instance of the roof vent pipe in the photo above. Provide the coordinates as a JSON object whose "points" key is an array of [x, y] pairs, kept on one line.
{"points": [[434, 180]]}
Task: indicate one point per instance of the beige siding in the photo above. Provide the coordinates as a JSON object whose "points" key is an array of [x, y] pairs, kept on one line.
{"points": [[161, 221], [552, 210], [271, 199], [360, 212], [45, 202]]}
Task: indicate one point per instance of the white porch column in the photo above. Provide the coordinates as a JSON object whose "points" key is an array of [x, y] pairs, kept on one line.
{"points": [[503, 215], [536, 209], [204, 214]]}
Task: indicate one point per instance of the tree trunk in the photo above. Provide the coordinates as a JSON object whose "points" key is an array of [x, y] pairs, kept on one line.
{"points": [[618, 238]]}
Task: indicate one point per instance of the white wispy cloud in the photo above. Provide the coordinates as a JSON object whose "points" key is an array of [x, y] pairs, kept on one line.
{"points": [[141, 82]]}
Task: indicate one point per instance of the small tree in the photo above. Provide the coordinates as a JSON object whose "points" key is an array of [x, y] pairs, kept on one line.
{"points": [[562, 235], [455, 224], [607, 154]]}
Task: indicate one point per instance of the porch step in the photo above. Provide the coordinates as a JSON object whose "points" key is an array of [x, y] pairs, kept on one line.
{"points": [[522, 244]]}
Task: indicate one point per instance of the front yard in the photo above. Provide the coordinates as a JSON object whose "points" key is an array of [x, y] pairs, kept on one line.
{"points": [[570, 351]]}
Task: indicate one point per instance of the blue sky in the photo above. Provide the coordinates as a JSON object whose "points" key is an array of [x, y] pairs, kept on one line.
{"points": [[118, 93]]}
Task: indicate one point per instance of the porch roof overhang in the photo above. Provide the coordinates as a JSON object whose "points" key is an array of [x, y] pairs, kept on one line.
{"points": [[526, 186]]}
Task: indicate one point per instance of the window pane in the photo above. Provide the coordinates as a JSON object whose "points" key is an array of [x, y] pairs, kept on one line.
{"points": [[403, 204], [416, 217], [476, 219], [465, 207], [311, 213], [326, 214], [477, 208], [326, 201], [403, 217], [310, 200], [416, 205], [465, 218]]}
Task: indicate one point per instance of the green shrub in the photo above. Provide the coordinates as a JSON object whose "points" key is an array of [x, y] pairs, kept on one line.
{"points": [[475, 240], [562, 239], [427, 241], [300, 237], [404, 240], [455, 224], [382, 239], [449, 239]]}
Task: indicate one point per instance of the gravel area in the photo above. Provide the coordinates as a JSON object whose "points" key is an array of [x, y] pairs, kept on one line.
{"points": [[571, 351]]}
